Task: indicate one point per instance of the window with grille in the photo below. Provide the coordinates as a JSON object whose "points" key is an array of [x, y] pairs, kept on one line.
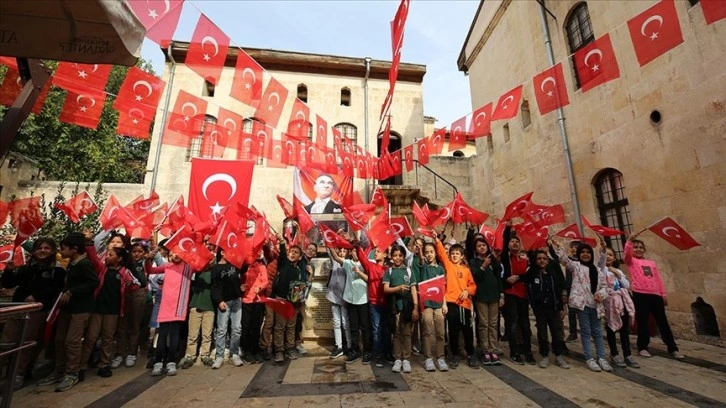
{"points": [[201, 146], [247, 126], [613, 207], [579, 32], [350, 135]]}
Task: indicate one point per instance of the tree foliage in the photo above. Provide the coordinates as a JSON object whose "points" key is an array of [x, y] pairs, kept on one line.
{"points": [[73, 153]]}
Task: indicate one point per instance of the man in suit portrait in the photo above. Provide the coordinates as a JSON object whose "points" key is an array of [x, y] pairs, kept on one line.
{"points": [[323, 203]]}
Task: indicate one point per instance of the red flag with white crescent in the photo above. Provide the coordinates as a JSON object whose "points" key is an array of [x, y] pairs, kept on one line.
{"points": [[401, 226], [207, 50], [674, 234], [185, 121], [271, 103], [215, 185], [78, 206], [159, 18], [185, 244], [298, 126], [83, 109], [333, 239], [713, 10], [432, 290], [140, 90], [113, 214], [508, 105], [596, 63], [481, 120], [516, 207], [436, 141], [457, 135], [655, 31], [82, 78], [602, 230], [26, 216], [247, 81], [550, 89], [381, 233]]}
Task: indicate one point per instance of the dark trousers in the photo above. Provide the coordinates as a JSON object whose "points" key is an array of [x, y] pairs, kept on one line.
{"points": [[358, 316], [645, 305], [520, 335], [299, 324], [168, 331], [549, 318], [252, 315], [572, 318], [459, 321], [624, 337]]}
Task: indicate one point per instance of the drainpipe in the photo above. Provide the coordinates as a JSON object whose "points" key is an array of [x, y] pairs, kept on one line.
{"points": [[561, 121], [365, 117], [164, 117]]}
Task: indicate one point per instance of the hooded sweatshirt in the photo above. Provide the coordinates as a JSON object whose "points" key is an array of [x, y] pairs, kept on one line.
{"points": [[644, 274], [458, 278]]}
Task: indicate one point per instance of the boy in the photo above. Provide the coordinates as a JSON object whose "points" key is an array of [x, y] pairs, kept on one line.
{"points": [[487, 272], [515, 264], [290, 271], [432, 321], [400, 284]]}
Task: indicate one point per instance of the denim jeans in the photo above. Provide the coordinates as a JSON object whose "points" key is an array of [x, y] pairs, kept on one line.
{"points": [[380, 329], [590, 326], [232, 314]]}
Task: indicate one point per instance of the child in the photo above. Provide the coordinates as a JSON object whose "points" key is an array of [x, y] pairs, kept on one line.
{"points": [[40, 280], [110, 297], [618, 309], [355, 295], [201, 320], [586, 296], [129, 322], [460, 287], [227, 296], [289, 281], [489, 297], [377, 302], [399, 282], [271, 256], [334, 294], [76, 303], [515, 264], [547, 293], [571, 313], [426, 268], [649, 297], [255, 281]]}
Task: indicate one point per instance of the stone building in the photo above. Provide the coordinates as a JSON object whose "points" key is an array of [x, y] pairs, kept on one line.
{"points": [[647, 145]]}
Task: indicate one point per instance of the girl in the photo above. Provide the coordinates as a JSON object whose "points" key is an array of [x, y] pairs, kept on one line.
{"points": [[40, 280], [334, 294], [201, 320], [515, 264], [488, 299], [399, 282], [618, 309], [227, 297], [586, 296], [374, 270], [649, 296], [110, 296], [288, 287], [127, 334], [355, 295], [255, 281], [426, 268]]}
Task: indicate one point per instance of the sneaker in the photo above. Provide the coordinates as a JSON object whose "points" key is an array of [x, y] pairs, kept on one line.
{"points": [[406, 366], [630, 361], [618, 361], [301, 349], [337, 352], [495, 359], [186, 362], [529, 359], [218, 362], [54, 378], [562, 362], [116, 362], [644, 353], [248, 358], [454, 362], [677, 355], [236, 360], [366, 360], [429, 365], [352, 356], [158, 368], [130, 361], [69, 380], [486, 359], [604, 365], [207, 361], [291, 354], [571, 338], [397, 366], [544, 363], [279, 357], [592, 365], [266, 355], [105, 372], [379, 361], [442, 364], [390, 358], [472, 361], [150, 362], [171, 369], [259, 359], [517, 359]]}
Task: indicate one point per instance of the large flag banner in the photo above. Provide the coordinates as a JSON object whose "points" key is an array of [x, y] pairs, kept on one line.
{"points": [[216, 185]]}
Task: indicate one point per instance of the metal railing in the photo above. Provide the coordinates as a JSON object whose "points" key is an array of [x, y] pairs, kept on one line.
{"points": [[438, 180], [8, 310]]}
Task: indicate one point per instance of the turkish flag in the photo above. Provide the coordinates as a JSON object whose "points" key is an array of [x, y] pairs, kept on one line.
{"points": [[214, 141], [361, 168], [462, 212], [262, 138], [82, 78], [298, 126], [185, 120], [273, 100], [401, 226], [432, 290], [596, 63], [140, 205], [247, 81], [321, 136], [140, 91], [670, 231], [379, 199], [516, 207], [408, 157], [544, 215], [185, 245], [231, 124], [331, 161], [133, 125], [233, 240], [332, 239], [533, 237], [289, 151], [286, 207], [26, 216], [655, 31], [481, 120], [160, 18], [419, 215], [381, 234], [78, 206], [207, 50], [602, 230], [395, 162], [304, 219], [83, 109], [217, 184], [508, 105], [6, 255], [573, 232], [488, 233], [274, 159], [436, 141], [423, 150], [713, 10], [11, 87], [174, 217], [113, 214], [550, 89], [4, 211], [279, 306], [348, 163], [440, 216], [457, 136], [358, 215]]}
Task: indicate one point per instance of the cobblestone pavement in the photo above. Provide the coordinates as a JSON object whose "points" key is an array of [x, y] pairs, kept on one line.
{"points": [[317, 381]]}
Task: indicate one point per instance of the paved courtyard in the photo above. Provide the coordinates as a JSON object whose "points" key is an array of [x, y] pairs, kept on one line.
{"points": [[317, 381]]}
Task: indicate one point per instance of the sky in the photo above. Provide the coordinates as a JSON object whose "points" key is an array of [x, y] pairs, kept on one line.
{"points": [[435, 33]]}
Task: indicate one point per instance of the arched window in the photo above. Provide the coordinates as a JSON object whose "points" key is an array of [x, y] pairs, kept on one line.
{"points": [[199, 147], [579, 32], [302, 92], [345, 96], [612, 204], [247, 128], [350, 135]]}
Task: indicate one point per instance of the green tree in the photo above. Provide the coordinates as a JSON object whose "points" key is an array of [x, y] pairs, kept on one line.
{"points": [[73, 153]]}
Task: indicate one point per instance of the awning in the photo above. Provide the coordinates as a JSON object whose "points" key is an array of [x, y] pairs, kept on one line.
{"points": [[84, 31]]}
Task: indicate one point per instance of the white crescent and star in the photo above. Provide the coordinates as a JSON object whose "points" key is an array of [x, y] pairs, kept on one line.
{"points": [[221, 177], [432, 291], [230, 235], [649, 20], [189, 104], [276, 96], [545, 81], [79, 97], [397, 228], [183, 241], [144, 84], [476, 118], [666, 229], [141, 113], [507, 101], [592, 52], [252, 73], [8, 258], [209, 39]]}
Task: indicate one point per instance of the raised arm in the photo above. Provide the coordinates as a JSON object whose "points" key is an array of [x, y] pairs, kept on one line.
{"points": [[441, 252], [334, 255], [153, 270], [628, 253]]}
